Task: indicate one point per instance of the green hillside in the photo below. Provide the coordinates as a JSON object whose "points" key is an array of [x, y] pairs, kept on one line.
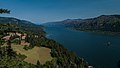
{"points": [[20, 40]]}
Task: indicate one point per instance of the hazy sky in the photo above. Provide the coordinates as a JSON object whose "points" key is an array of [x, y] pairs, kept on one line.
{"points": [[40, 11]]}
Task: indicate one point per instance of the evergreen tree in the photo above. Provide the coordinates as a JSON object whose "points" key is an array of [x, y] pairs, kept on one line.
{"points": [[38, 64], [4, 11]]}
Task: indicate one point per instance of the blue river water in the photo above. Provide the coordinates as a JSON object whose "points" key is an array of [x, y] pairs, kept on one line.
{"points": [[89, 45]]}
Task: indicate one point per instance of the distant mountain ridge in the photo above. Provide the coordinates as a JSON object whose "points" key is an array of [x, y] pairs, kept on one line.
{"points": [[16, 21], [101, 23]]}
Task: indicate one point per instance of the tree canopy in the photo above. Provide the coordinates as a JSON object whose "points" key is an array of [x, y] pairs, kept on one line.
{"points": [[4, 11]]}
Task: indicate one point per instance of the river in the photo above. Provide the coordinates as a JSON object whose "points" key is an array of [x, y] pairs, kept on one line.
{"points": [[89, 45]]}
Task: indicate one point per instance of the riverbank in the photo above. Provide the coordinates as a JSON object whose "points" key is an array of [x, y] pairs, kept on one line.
{"points": [[97, 31]]}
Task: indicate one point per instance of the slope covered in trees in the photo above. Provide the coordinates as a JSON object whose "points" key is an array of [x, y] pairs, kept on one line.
{"points": [[109, 23], [13, 30]]}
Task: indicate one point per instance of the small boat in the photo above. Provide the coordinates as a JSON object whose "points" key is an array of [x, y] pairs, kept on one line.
{"points": [[90, 66], [108, 43]]}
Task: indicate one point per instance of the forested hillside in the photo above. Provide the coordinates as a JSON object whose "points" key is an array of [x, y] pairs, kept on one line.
{"points": [[15, 34], [109, 23]]}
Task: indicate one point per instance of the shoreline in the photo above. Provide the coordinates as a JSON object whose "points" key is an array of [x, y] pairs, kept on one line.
{"points": [[96, 31]]}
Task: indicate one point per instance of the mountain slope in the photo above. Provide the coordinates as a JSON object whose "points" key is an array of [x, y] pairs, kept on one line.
{"points": [[109, 23], [14, 21]]}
